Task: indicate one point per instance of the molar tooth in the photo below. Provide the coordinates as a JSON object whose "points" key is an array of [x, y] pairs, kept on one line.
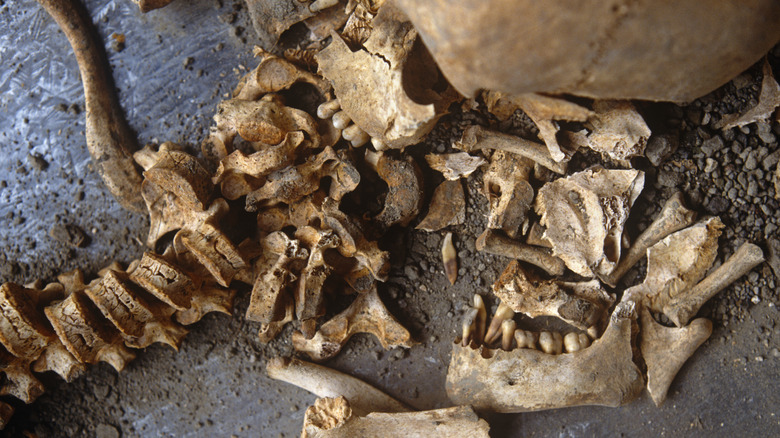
{"points": [[593, 332], [341, 120], [507, 334], [481, 320], [584, 340], [328, 109], [521, 339], [503, 313], [468, 326], [571, 342], [557, 343]]}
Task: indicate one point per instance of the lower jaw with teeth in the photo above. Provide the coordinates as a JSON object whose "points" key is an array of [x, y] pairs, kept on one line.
{"points": [[526, 379]]}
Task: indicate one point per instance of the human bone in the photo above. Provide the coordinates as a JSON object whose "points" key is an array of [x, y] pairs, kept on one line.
{"points": [[580, 304], [666, 349], [367, 314], [593, 48], [584, 215], [271, 18], [528, 380], [768, 101], [327, 382], [454, 166], [617, 130], [375, 86], [506, 185], [149, 5], [494, 331], [333, 417], [477, 138], [447, 207], [449, 258], [493, 242], [404, 190]]}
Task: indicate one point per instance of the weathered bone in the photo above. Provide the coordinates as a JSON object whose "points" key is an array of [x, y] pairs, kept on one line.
{"points": [[768, 101], [454, 166], [494, 243], [333, 417], [665, 350], [367, 314], [309, 299], [327, 382], [682, 307], [618, 130], [509, 194], [580, 304], [584, 215], [447, 207], [271, 18], [477, 137], [405, 190], [674, 216], [529, 380], [150, 5], [536, 236]]}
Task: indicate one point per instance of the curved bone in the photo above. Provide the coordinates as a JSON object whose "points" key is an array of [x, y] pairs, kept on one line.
{"points": [[109, 139], [584, 215], [477, 137], [367, 314], [529, 380], [405, 190], [447, 207], [494, 243], [665, 350], [510, 195], [333, 417], [454, 166], [617, 130], [327, 382], [580, 304]]}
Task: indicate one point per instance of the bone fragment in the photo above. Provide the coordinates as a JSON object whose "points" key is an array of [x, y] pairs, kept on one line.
{"points": [[492, 242], [506, 186], [665, 350], [327, 382], [109, 139], [271, 18], [405, 190], [682, 307], [503, 313], [447, 207], [673, 217], [536, 236], [768, 101], [477, 137], [618, 130], [449, 258], [150, 5], [584, 215], [367, 314], [529, 380], [454, 166], [333, 417], [773, 250]]}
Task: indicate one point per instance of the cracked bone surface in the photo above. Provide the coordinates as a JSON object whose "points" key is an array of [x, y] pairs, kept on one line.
{"points": [[580, 304], [270, 18], [447, 207], [674, 216], [477, 138], [493, 242], [327, 382], [593, 48], [333, 417], [617, 130], [665, 350], [529, 380], [387, 87], [506, 185], [584, 215], [367, 314]]}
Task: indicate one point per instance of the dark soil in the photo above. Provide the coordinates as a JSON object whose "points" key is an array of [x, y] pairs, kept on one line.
{"points": [[175, 65]]}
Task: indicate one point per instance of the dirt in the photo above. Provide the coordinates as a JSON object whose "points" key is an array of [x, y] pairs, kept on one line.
{"points": [[177, 64]]}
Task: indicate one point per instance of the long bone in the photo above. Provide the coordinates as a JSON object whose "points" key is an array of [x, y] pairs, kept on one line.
{"points": [[529, 380], [674, 216], [109, 139], [477, 137], [493, 242]]}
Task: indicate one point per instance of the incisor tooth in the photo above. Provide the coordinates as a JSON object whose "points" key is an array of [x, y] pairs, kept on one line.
{"points": [[507, 334], [502, 314], [571, 342]]}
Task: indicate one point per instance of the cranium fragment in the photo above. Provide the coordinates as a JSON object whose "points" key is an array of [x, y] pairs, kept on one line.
{"points": [[584, 216], [333, 417], [367, 314], [526, 379], [593, 48], [580, 304], [271, 18], [509, 194]]}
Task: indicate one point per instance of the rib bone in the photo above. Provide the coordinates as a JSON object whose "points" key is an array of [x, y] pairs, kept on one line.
{"points": [[494, 243]]}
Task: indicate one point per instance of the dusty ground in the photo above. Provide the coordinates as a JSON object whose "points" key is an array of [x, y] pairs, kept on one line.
{"points": [[175, 66]]}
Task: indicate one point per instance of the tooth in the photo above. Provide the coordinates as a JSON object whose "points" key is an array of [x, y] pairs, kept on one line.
{"points": [[341, 120], [521, 338], [593, 332], [468, 326], [360, 139], [557, 343], [350, 132], [571, 342], [507, 332], [449, 257], [503, 313], [546, 342], [481, 320], [319, 5], [328, 109], [584, 340]]}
